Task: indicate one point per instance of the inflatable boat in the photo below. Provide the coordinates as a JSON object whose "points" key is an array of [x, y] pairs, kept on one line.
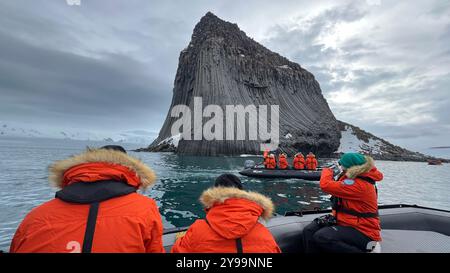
{"points": [[405, 229], [434, 162], [252, 170], [278, 173]]}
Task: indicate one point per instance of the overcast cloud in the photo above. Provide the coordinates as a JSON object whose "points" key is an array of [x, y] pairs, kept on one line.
{"points": [[109, 65]]}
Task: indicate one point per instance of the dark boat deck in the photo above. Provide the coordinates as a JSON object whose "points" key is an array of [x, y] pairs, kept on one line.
{"points": [[405, 229], [282, 173]]}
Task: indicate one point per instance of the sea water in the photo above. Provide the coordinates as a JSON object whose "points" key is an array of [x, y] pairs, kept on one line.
{"points": [[181, 179]]}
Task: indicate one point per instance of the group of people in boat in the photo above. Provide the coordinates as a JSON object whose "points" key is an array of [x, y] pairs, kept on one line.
{"points": [[299, 162], [98, 209]]}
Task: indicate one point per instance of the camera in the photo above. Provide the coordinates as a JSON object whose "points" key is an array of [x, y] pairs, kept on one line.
{"points": [[326, 220]]}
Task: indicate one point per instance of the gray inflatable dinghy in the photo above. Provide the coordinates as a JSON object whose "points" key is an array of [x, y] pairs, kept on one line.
{"points": [[258, 171], [405, 229], [279, 173]]}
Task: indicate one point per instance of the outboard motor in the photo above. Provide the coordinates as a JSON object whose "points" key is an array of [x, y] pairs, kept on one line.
{"points": [[248, 164]]}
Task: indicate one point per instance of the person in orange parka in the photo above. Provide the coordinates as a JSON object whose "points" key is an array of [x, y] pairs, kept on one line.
{"points": [[231, 224], [311, 161], [355, 208], [299, 162], [97, 208], [271, 162], [266, 158], [282, 161]]}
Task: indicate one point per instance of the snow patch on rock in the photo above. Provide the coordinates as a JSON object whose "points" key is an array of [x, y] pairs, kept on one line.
{"points": [[284, 66], [351, 143], [173, 140]]}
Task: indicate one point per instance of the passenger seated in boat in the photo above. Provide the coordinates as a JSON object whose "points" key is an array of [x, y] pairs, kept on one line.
{"points": [[299, 162], [97, 208], [265, 158], [231, 224], [311, 162], [271, 162], [282, 161], [354, 225]]}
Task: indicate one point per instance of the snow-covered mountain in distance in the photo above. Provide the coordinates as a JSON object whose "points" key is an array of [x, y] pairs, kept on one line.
{"points": [[132, 136], [14, 131]]}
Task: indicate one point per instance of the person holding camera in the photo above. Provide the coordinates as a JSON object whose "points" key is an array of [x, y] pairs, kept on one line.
{"points": [[354, 225]]}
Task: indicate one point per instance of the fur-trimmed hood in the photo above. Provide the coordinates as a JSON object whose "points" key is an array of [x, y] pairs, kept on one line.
{"points": [[355, 171], [218, 195], [57, 169], [233, 213]]}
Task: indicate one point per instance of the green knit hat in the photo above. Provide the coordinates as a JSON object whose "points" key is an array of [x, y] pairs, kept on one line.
{"points": [[349, 160]]}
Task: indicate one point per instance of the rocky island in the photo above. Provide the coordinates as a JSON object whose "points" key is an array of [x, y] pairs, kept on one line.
{"points": [[223, 66]]}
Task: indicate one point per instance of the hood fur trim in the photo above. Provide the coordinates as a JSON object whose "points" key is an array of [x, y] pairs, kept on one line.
{"points": [[220, 194], [57, 169], [354, 171]]}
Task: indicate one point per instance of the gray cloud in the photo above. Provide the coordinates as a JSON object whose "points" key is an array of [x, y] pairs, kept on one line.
{"points": [[54, 83], [53, 72], [381, 71]]}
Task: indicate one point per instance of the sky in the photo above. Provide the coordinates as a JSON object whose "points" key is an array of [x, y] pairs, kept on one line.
{"points": [[109, 66]]}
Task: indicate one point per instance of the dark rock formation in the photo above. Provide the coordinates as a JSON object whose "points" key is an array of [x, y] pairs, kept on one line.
{"points": [[225, 67]]}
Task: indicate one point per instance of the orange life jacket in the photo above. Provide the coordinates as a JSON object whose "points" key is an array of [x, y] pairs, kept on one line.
{"points": [[299, 162], [311, 162], [282, 162], [271, 163]]}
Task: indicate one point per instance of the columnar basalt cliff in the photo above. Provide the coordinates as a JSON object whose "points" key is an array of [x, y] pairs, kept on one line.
{"points": [[225, 67]]}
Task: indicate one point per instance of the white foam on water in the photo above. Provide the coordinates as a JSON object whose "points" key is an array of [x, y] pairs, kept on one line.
{"points": [[183, 213], [249, 155]]}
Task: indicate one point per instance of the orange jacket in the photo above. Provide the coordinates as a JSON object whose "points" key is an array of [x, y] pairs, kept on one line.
{"points": [[311, 162], [299, 162], [282, 162], [266, 161], [129, 222], [357, 195], [266, 158], [231, 214], [270, 163]]}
